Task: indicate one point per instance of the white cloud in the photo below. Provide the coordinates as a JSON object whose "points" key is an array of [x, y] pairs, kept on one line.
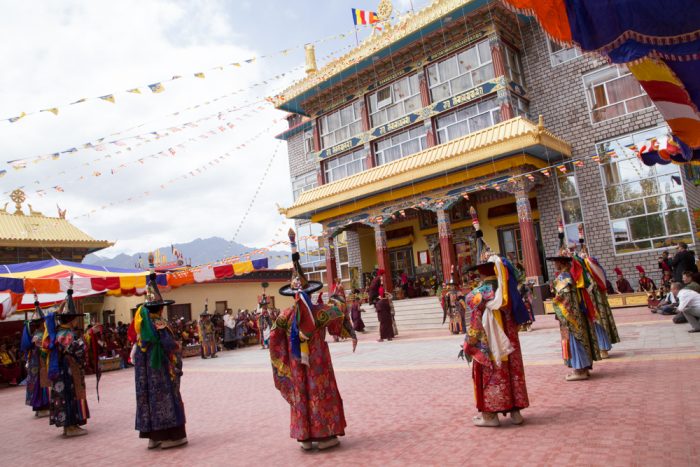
{"points": [[58, 52]]}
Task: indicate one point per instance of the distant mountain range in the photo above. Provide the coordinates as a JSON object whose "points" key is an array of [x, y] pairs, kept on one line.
{"points": [[200, 251]]}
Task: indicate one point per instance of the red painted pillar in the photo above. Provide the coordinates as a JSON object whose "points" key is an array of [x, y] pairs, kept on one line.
{"points": [[531, 257], [447, 250], [331, 265], [499, 69], [383, 257]]}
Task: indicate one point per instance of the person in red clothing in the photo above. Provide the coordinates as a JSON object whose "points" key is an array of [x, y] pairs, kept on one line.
{"points": [[623, 285], [646, 284]]}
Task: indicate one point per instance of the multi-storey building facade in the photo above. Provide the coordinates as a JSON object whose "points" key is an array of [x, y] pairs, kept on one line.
{"points": [[464, 104]]}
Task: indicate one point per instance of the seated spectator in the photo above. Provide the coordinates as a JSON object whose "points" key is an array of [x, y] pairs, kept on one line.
{"points": [[689, 305], [10, 370], [669, 304], [689, 283]]}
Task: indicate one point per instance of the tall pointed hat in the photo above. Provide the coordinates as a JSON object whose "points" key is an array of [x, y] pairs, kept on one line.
{"points": [[154, 300], [299, 282]]}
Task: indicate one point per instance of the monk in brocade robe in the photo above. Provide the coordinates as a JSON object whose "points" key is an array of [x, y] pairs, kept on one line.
{"points": [[604, 324], [67, 353], [157, 359], [207, 335], [493, 345], [37, 395], [578, 338], [303, 371]]}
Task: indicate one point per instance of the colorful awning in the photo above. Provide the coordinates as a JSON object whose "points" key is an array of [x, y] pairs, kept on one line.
{"points": [[51, 279], [660, 42]]}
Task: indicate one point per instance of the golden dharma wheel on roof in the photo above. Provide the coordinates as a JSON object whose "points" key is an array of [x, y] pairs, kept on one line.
{"points": [[384, 10], [18, 197]]}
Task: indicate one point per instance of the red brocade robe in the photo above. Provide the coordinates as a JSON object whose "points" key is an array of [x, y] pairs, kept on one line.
{"points": [[311, 391], [497, 388]]}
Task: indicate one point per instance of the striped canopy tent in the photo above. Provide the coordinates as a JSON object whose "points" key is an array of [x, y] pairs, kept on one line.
{"points": [[659, 42], [51, 278]]}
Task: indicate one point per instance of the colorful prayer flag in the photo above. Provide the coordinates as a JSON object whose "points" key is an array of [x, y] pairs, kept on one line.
{"points": [[364, 17], [108, 98], [199, 75], [53, 110], [134, 91], [20, 116], [156, 88]]}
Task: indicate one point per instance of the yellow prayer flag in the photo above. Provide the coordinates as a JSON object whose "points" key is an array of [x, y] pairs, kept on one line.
{"points": [[18, 117], [134, 91], [199, 75], [108, 98], [53, 110]]}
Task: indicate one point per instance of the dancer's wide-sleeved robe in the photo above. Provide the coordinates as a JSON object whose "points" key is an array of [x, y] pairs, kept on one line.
{"points": [[160, 412], [311, 391], [499, 386]]}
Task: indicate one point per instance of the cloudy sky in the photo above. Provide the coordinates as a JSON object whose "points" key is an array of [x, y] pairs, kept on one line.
{"points": [[54, 53]]}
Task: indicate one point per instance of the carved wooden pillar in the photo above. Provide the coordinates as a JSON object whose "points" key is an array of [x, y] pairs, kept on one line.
{"points": [[331, 265], [447, 249], [428, 125], [499, 69], [383, 257], [531, 257]]}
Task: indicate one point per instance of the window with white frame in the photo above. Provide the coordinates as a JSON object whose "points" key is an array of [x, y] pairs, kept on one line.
{"points": [[395, 100], [341, 125], [647, 205], [612, 92], [303, 182], [514, 67], [521, 108], [345, 165], [468, 119], [559, 54], [309, 144], [311, 255], [460, 72], [572, 214], [400, 145]]}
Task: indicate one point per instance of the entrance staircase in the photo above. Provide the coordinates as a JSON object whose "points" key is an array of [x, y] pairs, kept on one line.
{"points": [[410, 314]]}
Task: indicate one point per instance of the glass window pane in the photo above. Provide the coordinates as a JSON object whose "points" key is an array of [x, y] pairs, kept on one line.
{"points": [[468, 60], [620, 231], [677, 222], [626, 209], [567, 186], [675, 200], [614, 194], [572, 211], [668, 185], [632, 190], [647, 227], [484, 51]]}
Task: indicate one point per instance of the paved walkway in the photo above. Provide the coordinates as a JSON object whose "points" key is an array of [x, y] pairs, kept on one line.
{"points": [[407, 402]]}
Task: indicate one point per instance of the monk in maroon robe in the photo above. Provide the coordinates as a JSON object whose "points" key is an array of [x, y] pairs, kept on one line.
{"points": [[386, 326], [623, 285]]}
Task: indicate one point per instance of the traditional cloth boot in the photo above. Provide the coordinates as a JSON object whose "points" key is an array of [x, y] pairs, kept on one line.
{"points": [[486, 419], [328, 443], [516, 418], [42, 413], [604, 354], [71, 431], [153, 444], [306, 445], [577, 375], [173, 444]]}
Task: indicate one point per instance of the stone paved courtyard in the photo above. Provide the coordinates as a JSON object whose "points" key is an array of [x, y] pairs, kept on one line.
{"points": [[407, 402]]}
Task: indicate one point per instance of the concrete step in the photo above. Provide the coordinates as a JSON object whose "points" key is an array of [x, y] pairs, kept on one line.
{"points": [[410, 314]]}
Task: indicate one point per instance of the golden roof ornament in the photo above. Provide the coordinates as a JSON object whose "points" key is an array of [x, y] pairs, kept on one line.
{"points": [[18, 197], [384, 10]]}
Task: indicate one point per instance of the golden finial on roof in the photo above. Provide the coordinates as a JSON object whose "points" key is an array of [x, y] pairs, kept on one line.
{"points": [[18, 197], [310, 59], [384, 10]]}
